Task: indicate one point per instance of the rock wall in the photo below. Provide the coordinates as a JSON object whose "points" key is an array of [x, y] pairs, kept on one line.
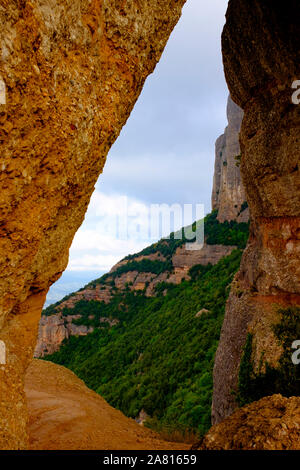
{"points": [[71, 72], [262, 59], [182, 261], [228, 195], [54, 330]]}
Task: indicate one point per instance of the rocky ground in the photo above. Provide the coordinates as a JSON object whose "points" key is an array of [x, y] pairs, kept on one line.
{"points": [[272, 423], [65, 415]]}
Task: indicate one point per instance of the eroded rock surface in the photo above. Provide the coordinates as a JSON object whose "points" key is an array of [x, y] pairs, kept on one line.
{"points": [[53, 330], [228, 195], [272, 423], [262, 59], [72, 71]]}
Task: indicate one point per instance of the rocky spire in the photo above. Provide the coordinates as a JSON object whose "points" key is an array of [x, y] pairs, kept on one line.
{"points": [[228, 195]]}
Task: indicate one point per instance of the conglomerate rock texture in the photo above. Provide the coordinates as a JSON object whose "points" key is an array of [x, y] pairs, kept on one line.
{"points": [[261, 51], [272, 423], [228, 194], [70, 73]]}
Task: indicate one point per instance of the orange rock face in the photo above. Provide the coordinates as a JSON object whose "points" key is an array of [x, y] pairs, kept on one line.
{"points": [[71, 72], [261, 63]]}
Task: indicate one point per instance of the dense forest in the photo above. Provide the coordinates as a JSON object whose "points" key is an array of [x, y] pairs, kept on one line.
{"points": [[159, 357]]}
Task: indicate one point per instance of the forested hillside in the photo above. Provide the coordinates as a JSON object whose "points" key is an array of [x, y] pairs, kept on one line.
{"points": [[159, 356]]}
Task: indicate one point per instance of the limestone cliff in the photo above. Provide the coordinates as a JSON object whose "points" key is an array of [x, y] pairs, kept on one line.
{"points": [[262, 59], [71, 72], [228, 195], [182, 260], [54, 330]]}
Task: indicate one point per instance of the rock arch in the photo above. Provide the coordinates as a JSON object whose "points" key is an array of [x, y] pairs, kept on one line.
{"points": [[73, 70]]}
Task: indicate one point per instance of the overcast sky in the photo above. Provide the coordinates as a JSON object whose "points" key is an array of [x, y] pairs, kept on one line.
{"points": [[165, 153]]}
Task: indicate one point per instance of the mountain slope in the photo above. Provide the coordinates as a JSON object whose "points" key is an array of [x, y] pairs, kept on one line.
{"points": [[157, 357], [271, 423]]}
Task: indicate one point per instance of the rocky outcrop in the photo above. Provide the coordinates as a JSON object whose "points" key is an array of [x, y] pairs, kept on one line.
{"points": [[142, 417], [228, 195], [72, 72], [272, 423], [53, 330], [261, 62], [100, 293], [152, 257], [183, 260], [209, 254], [201, 312]]}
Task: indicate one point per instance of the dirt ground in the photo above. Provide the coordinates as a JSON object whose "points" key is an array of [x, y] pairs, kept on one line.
{"points": [[65, 415]]}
